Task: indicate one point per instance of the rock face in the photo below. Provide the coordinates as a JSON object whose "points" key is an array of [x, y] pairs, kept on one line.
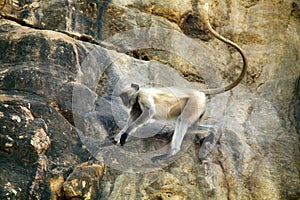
{"points": [[62, 65], [297, 105]]}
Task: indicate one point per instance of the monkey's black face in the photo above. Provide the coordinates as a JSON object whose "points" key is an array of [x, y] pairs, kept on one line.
{"points": [[125, 98], [128, 96]]}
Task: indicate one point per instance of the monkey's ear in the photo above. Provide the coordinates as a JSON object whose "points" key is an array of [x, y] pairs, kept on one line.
{"points": [[135, 86]]}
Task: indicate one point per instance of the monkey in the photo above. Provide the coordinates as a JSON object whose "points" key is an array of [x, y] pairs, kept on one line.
{"points": [[186, 106]]}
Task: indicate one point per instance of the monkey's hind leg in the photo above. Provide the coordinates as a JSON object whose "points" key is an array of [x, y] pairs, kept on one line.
{"points": [[181, 128], [191, 112]]}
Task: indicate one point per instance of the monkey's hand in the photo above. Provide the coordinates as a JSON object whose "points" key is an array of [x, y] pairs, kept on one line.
{"points": [[121, 137]]}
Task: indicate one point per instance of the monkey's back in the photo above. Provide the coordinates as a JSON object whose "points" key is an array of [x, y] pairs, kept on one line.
{"points": [[168, 102]]}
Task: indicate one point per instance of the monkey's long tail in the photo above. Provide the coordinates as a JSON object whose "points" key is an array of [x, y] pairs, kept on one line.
{"points": [[227, 41]]}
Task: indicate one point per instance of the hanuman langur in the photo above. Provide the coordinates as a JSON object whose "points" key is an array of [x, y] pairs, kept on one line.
{"points": [[187, 106]]}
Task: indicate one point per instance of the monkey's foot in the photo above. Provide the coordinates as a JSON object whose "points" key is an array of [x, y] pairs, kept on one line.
{"points": [[165, 156], [207, 144], [209, 138], [161, 157]]}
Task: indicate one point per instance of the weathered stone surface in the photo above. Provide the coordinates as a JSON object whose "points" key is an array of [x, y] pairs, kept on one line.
{"points": [[39, 145], [84, 182], [36, 143], [297, 105], [54, 88]]}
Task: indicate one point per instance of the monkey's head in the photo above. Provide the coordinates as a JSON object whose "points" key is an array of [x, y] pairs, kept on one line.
{"points": [[129, 95]]}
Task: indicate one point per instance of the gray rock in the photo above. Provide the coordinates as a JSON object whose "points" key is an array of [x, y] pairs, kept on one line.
{"points": [[54, 88], [39, 144], [297, 105]]}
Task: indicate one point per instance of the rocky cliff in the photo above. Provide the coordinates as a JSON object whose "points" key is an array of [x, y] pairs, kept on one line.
{"points": [[62, 64]]}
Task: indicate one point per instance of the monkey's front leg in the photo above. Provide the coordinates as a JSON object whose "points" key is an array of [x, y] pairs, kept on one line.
{"points": [[120, 138], [117, 138], [127, 130]]}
